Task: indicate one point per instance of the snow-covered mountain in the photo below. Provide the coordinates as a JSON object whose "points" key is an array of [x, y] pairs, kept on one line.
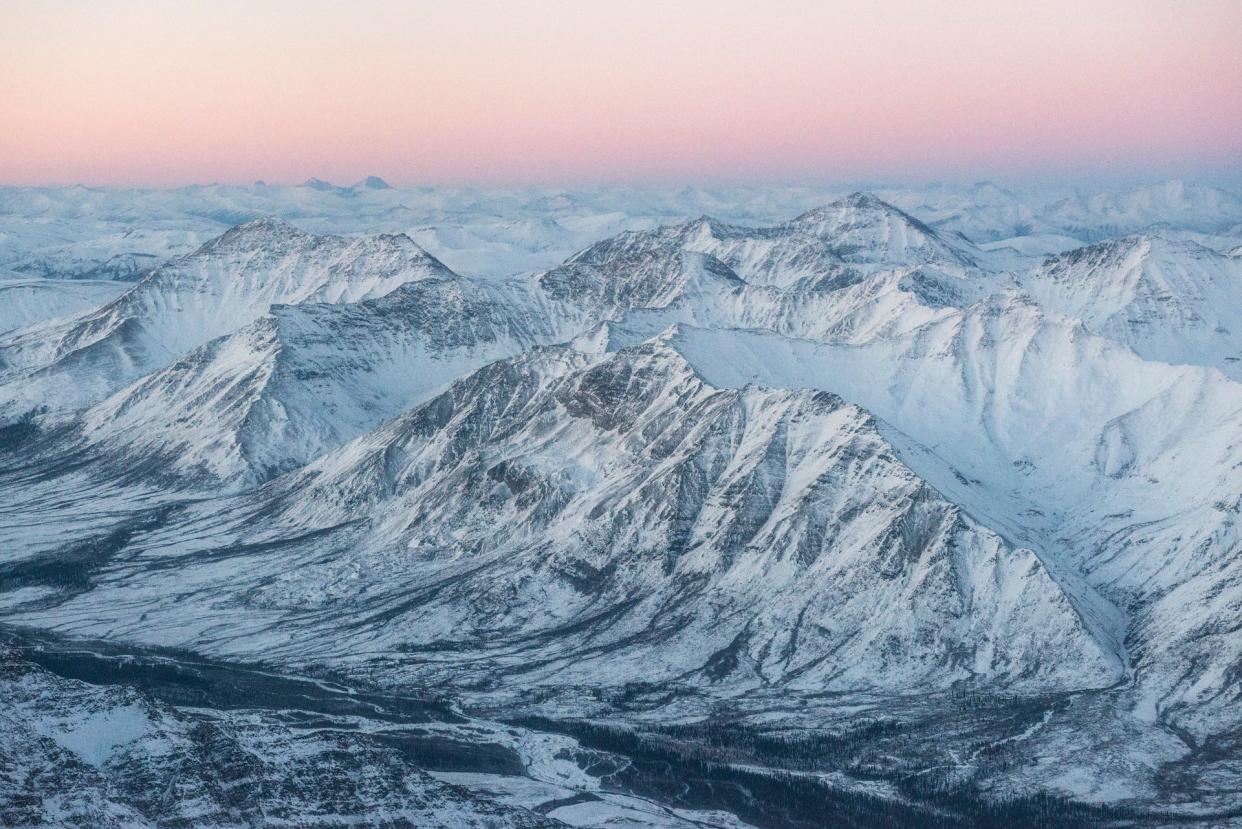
{"points": [[983, 212], [759, 255], [867, 231], [65, 364], [824, 248], [920, 480], [1173, 301], [77, 231], [1063, 442], [562, 519], [297, 382], [307, 377]]}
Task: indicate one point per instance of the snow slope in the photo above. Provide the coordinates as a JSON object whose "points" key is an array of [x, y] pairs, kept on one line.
{"points": [[26, 302]]}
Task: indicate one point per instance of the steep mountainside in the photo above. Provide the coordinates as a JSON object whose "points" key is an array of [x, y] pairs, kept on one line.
{"points": [[1064, 442]]}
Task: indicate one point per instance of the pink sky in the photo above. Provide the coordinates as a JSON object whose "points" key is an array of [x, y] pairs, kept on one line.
{"points": [[166, 93]]}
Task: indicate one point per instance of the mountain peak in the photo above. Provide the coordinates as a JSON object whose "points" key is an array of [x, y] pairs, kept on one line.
{"points": [[1129, 251], [861, 198], [863, 227], [1109, 251], [372, 183], [318, 184], [268, 223], [256, 233], [711, 227], [854, 202]]}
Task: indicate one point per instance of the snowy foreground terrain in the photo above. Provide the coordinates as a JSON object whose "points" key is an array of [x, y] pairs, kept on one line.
{"points": [[332, 506]]}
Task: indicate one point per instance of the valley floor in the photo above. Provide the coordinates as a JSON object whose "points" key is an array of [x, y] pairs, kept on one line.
{"points": [[105, 718]]}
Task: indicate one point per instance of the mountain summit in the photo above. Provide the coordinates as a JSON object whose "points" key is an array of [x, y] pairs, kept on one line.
{"points": [[372, 183]]}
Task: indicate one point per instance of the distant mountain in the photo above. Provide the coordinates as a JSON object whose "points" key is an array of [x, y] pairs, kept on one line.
{"points": [[49, 249], [372, 183], [321, 185], [983, 212], [226, 284], [865, 230], [827, 247], [1102, 215]]}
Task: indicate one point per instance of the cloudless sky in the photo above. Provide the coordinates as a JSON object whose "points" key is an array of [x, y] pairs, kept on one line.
{"points": [[165, 93]]}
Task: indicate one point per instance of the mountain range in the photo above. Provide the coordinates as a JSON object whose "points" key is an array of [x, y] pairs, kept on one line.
{"points": [[930, 495]]}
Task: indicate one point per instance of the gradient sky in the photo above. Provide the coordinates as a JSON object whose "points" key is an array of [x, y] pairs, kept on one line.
{"points": [[163, 93]]}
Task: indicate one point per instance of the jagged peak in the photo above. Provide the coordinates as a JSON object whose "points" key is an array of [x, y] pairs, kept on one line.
{"points": [[864, 199], [1098, 251], [853, 210], [398, 242], [275, 235], [638, 243], [664, 354], [862, 221], [267, 224], [858, 200], [708, 223], [414, 299], [655, 356], [263, 232], [642, 277]]}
